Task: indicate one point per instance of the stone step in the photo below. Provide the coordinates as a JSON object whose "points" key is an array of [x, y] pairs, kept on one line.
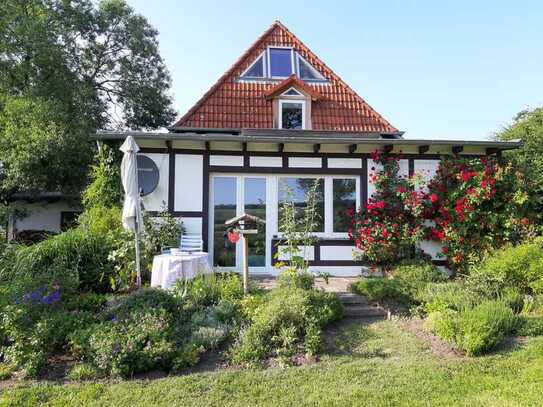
{"points": [[350, 298], [360, 311]]}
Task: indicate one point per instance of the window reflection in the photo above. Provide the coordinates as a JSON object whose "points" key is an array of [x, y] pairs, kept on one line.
{"points": [[224, 207], [255, 204], [344, 191], [296, 190]]}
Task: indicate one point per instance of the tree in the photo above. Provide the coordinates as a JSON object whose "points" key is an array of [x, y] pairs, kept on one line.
{"points": [[84, 67], [528, 127]]}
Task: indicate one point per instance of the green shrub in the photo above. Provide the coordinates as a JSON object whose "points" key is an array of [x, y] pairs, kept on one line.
{"points": [[136, 344], [287, 320], [378, 288], [413, 278], [485, 326], [513, 298], [208, 337], [443, 296], [530, 326], [75, 259], [475, 330], [325, 307], [520, 267], [145, 299], [443, 323], [186, 356], [406, 286], [6, 370], [35, 331], [291, 277], [211, 289], [84, 371]]}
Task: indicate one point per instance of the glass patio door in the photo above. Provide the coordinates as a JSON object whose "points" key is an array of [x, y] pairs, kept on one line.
{"points": [[232, 195]]}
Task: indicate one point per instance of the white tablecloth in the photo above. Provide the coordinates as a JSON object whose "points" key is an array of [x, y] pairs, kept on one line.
{"points": [[168, 268]]}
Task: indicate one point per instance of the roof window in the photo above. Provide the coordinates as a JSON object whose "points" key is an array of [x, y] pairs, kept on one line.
{"points": [[280, 63]]}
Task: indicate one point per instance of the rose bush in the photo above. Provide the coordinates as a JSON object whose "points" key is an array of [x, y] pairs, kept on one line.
{"points": [[471, 206]]}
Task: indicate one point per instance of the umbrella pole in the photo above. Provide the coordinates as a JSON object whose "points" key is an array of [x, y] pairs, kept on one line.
{"points": [[138, 266]]}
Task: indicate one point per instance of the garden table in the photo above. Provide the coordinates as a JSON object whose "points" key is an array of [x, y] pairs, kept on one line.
{"points": [[168, 268]]}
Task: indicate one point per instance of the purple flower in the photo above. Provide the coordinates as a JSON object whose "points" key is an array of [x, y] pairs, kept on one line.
{"points": [[52, 298], [116, 348]]}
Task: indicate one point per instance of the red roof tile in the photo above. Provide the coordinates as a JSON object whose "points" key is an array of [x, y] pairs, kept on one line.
{"points": [[241, 104]]}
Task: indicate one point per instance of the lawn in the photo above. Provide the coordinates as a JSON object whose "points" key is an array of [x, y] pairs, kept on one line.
{"points": [[375, 364]]}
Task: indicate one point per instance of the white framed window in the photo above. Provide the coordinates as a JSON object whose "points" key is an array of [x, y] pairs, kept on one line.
{"points": [[336, 195], [292, 114], [278, 62]]}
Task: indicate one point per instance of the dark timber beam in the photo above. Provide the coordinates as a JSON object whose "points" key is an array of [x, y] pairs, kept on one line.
{"points": [[424, 149], [169, 145], [281, 147], [352, 148], [457, 149], [492, 150], [207, 145], [244, 146], [316, 148], [387, 149]]}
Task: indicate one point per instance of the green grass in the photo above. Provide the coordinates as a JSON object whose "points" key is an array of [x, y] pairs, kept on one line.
{"points": [[379, 364]]}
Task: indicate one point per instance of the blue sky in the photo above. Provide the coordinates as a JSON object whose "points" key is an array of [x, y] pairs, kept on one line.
{"points": [[435, 69]]}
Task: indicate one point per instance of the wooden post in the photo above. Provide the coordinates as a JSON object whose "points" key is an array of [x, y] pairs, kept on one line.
{"points": [[245, 263]]}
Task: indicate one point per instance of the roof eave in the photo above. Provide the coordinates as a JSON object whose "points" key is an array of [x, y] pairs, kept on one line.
{"points": [[297, 136]]}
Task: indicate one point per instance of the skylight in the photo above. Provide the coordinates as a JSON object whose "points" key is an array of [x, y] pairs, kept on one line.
{"points": [[280, 63]]}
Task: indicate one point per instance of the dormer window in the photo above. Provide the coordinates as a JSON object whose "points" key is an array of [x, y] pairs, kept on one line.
{"points": [[292, 114], [280, 63]]}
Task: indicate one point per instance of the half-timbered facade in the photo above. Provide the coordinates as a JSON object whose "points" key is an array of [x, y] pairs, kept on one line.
{"points": [[275, 122]]}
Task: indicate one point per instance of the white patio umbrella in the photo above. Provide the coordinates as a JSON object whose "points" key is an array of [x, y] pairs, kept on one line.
{"points": [[131, 217]]}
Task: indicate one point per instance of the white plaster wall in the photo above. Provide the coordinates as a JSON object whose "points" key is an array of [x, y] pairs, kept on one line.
{"points": [[192, 225], [226, 160], [266, 161], [309, 253], [188, 182], [427, 169], [158, 199], [337, 252], [41, 215], [344, 163], [431, 248], [305, 162], [403, 171]]}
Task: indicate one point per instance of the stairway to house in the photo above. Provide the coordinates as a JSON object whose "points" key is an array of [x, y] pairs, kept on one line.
{"points": [[357, 306]]}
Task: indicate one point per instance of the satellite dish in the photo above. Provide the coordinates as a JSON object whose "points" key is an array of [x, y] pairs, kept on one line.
{"points": [[148, 175]]}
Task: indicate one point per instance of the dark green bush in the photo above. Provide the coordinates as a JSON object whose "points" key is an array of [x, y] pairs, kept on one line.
{"points": [[379, 288], [530, 326]]}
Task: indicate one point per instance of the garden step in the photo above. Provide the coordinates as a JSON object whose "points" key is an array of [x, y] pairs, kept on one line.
{"points": [[351, 298], [360, 311]]}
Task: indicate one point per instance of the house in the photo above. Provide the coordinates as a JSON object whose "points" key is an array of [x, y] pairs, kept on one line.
{"points": [[276, 121]]}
